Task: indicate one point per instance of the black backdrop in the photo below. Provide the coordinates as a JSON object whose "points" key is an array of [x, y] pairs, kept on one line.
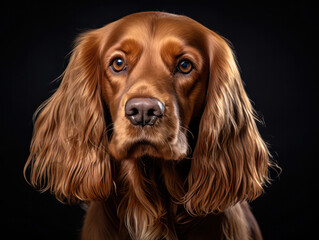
{"points": [[275, 45]]}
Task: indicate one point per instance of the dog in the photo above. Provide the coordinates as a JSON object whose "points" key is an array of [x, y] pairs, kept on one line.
{"points": [[151, 126]]}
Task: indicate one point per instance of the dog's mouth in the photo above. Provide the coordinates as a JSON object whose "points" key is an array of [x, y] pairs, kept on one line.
{"points": [[146, 148], [137, 149], [143, 148]]}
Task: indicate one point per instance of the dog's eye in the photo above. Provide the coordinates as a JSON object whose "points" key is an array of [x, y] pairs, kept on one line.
{"points": [[185, 66], [118, 65]]}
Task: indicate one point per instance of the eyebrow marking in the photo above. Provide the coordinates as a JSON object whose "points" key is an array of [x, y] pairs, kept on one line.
{"points": [[174, 49], [129, 45], [131, 48]]}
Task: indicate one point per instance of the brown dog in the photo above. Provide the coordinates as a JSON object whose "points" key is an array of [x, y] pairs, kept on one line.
{"points": [[118, 134]]}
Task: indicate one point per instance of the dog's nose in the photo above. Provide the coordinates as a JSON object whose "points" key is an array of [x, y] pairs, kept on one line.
{"points": [[144, 111]]}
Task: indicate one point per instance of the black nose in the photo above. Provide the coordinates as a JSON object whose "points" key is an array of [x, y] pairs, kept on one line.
{"points": [[143, 111]]}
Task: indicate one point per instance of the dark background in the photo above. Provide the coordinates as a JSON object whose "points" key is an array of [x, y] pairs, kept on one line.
{"points": [[275, 45]]}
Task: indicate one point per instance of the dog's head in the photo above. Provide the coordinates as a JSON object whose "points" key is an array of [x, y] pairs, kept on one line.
{"points": [[145, 79], [155, 80]]}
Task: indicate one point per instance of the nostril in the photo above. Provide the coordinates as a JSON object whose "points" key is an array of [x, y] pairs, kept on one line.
{"points": [[155, 112], [151, 112], [131, 112]]}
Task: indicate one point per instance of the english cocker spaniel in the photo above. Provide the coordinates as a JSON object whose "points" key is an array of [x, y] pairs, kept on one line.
{"points": [[151, 126]]}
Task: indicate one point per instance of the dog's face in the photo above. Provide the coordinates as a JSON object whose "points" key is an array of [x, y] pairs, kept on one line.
{"points": [[154, 84]]}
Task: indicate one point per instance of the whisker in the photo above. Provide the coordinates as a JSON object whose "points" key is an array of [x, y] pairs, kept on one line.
{"points": [[187, 130], [107, 130], [109, 125]]}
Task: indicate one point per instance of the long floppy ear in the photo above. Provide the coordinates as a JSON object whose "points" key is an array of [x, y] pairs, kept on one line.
{"points": [[230, 161], [68, 153]]}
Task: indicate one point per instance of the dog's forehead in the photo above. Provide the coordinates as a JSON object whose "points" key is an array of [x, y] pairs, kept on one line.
{"points": [[155, 26]]}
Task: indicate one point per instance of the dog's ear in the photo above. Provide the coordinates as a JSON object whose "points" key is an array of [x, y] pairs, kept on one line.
{"points": [[68, 153], [230, 160]]}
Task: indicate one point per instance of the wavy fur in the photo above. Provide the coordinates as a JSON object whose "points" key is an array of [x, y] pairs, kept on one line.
{"points": [[230, 160], [68, 153]]}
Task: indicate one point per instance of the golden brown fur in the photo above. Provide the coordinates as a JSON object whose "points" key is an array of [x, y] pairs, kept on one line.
{"points": [[158, 181]]}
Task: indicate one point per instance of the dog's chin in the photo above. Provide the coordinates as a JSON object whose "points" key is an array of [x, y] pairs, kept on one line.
{"points": [[137, 150], [143, 149]]}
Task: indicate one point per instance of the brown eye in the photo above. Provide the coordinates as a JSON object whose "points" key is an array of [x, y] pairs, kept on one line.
{"points": [[185, 66], [118, 65]]}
